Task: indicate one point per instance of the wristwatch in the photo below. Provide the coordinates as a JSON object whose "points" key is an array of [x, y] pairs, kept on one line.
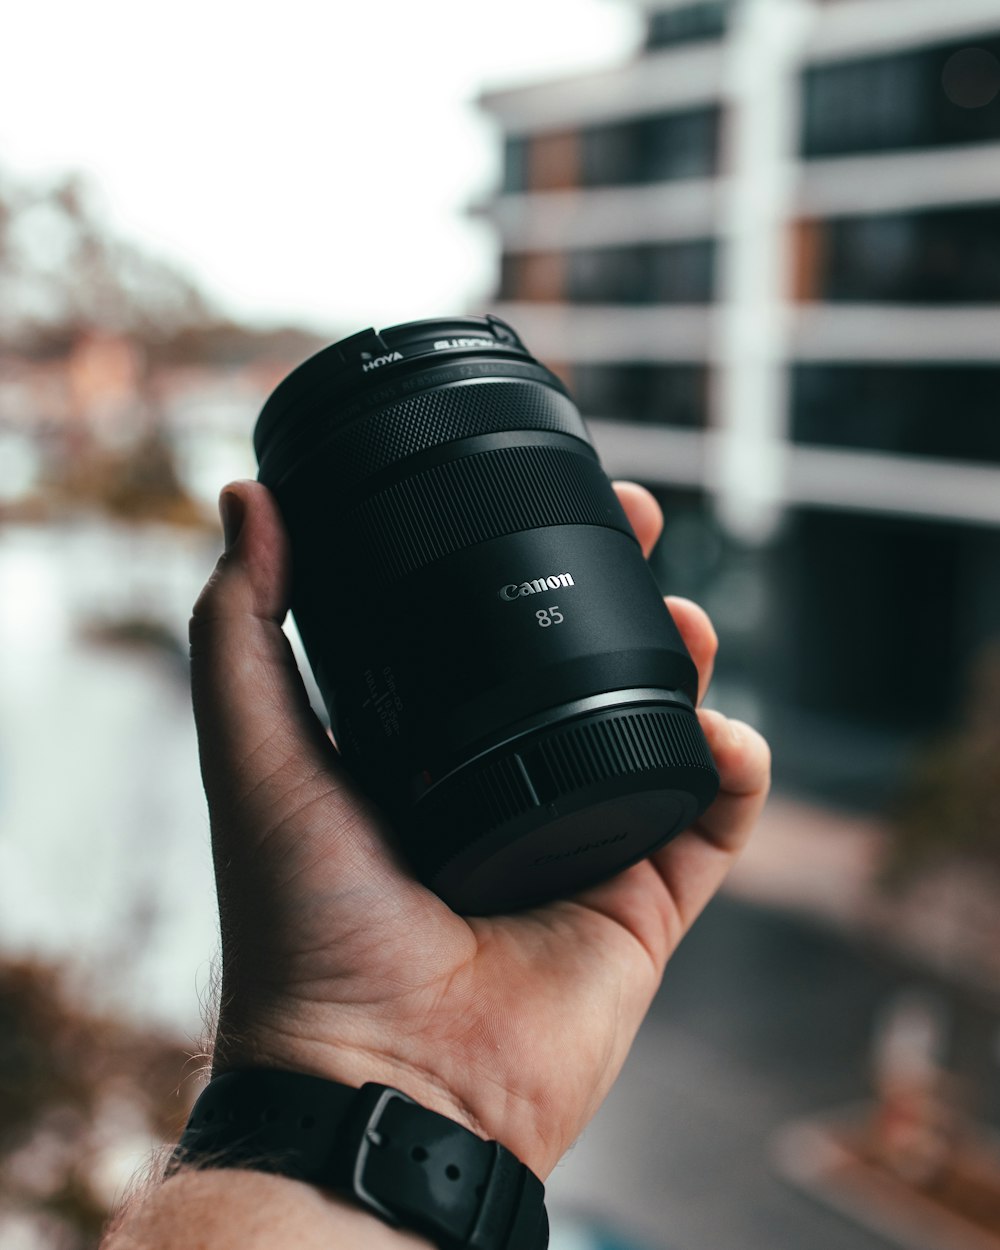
{"points": [[410, 1166]]}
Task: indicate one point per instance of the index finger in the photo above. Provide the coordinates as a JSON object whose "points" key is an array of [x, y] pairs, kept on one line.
{"points": [[646, 518], [643, 512]]}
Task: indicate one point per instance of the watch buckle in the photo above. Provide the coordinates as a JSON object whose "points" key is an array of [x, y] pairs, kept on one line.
{"points": [[380, 1096]]}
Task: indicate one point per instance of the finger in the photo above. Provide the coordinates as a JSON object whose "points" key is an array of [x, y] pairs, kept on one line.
{"points": [[691, 868], [251, 709], [646, 518], [643, 512], [698, 632], [694, 864]]}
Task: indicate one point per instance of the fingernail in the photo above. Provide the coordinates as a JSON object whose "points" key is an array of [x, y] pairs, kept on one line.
{"points": [[232, 510]]}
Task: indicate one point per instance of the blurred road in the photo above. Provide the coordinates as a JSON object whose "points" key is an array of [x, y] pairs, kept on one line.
{"points": [[761, 1019]]}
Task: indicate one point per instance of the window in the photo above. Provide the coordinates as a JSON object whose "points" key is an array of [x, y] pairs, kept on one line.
{"points": [[935, 96], [667, 273], [607, 276], [674, 395], [645, 149], [692, 22], [679, 145], [864, 106], [862, 599], [651, 149], [610, 155], [952, 412], [515, 164], [939, 257]]}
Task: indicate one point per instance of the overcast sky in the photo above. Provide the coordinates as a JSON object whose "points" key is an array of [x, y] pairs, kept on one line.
{"points": [[305, 160]]}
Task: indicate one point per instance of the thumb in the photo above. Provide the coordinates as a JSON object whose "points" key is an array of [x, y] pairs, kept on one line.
{"points": [[256, 730]]}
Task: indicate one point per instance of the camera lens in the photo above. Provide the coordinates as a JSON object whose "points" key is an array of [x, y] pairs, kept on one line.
{"points": [[500, 670]]}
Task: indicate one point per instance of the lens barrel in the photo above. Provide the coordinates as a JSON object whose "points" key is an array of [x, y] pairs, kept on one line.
{"points": [[500, 670]]}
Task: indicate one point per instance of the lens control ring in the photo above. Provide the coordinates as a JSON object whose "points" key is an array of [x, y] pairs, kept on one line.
{"points": [[512, 805]]}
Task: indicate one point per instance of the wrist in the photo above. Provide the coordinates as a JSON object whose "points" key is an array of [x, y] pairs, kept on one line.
{"points": [[352, 1065], [406, 1163], [441, 1081], [240, 1210]]}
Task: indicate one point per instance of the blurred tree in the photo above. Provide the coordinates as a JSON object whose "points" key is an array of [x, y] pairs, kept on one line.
{"points": [[100, 338], [75, 1088], [65, 272], [950, 803]]}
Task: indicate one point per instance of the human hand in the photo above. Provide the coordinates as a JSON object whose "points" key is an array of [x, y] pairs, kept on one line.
{"points": [[336, 961]]}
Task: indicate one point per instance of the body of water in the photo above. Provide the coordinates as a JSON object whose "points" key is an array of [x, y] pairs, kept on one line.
{"points": [[104, 854]]}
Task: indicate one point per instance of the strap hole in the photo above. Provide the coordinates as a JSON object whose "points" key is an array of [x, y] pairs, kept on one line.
{"points": [[307, 1121], [418, 1154], [452, 1172]]}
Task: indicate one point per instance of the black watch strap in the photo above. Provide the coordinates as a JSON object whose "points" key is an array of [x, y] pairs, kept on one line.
{"points": [[410, 1166]]}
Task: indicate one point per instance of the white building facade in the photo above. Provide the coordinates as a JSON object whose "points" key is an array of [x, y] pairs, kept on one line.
{"points": [[765, 256]]}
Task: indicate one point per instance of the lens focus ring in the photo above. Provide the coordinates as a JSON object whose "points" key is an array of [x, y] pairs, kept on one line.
{"points": [[470, 500]]}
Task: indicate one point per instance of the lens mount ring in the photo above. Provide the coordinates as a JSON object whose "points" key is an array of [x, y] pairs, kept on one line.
{"points": [[511, 805]]}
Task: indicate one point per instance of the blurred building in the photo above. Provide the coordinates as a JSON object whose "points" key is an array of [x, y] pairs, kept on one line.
{"points": [[765, 256]]}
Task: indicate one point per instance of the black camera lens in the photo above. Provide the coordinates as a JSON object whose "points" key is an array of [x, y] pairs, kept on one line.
{"points": [[500, 670]]}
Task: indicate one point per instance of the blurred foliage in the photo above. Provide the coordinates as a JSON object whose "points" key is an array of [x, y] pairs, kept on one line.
{"points": [[62, 272], [65, 272], [74, 1084], [135, 483], [950, 803], [105, 349]]}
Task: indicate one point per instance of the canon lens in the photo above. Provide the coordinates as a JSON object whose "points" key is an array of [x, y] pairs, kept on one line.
{"points": [[500, 670]]}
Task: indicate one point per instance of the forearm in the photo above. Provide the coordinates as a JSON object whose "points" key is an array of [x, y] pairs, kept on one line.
{"points": [[243, 1210]]}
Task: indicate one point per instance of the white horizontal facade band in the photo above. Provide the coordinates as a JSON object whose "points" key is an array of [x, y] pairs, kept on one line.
{"points": [[894, 181], [655, 5], [860, 333], [655, 454], [823, 477], [604, 216], [613, 332], [658, 82], [665, 212], [867, 333], [902, 485]]}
